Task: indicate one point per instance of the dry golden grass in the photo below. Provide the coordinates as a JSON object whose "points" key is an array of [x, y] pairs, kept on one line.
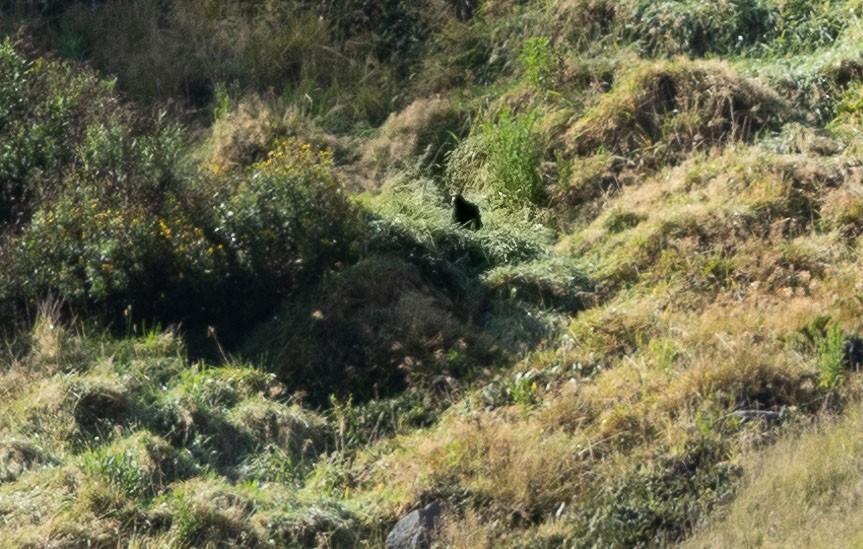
{"points": [[407, 134], [803, 492], [503, 458], [663, 108], [466, 532], [246, 133]]}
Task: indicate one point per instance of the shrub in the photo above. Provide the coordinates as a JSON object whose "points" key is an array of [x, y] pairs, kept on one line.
{"points": [[287, 219], [104, 217], [48, 114], [366, 332], [537, 61], [92, 251]]}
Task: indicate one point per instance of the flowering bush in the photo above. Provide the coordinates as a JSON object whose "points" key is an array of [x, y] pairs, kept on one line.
{"points": [[224, 247], [286, 218], [100, 214]]}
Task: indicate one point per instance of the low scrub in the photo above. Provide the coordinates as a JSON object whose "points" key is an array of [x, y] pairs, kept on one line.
{"points": [[368, 331], [107, 220]]}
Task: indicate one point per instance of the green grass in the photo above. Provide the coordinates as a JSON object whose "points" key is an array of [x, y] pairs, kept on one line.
{"points": [[234, 310]]}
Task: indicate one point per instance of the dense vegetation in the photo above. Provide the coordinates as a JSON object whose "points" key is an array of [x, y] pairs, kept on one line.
{"points": [[235, 311]]}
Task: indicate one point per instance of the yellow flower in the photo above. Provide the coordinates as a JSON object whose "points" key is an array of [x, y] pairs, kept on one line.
{"points": [[164, 229]]}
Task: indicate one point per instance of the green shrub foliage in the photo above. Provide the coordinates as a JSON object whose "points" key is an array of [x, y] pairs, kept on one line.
{"points": [[101, 214]]}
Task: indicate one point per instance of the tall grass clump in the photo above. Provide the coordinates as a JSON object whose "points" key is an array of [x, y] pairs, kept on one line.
{"points": [[514, 152], [346, 63], [185, 49], [458, 54], [501, 157], [798, 492], [586, 24], [848, 112], [695, 27], [425, 132], [830, 357], [805, 26]]}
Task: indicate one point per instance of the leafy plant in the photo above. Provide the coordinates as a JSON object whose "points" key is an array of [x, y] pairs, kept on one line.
{"points": [[522, 388], [288, 219], [830, 357], [537, 61]]}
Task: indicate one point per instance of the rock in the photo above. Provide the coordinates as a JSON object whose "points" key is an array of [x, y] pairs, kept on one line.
{"points": [[414, 530]]}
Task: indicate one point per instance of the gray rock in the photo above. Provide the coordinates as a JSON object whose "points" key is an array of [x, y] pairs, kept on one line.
{"points": [[414, 530]]}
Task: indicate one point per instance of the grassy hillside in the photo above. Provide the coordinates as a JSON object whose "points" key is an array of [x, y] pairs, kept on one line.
{"points": [[235, 310]]}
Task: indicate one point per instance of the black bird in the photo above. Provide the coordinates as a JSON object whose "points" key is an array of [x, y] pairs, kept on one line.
{"points": [[465, 214]]}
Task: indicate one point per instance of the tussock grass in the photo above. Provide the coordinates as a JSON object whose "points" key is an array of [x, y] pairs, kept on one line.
{"points": [[501, 159], [662, 109], [482, 458], [428, 128], [702, 228], [550, 282], [247, 132], [134, 442]]}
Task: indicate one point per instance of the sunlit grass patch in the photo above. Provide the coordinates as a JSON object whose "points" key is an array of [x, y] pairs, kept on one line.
{"points": [[798, 492], [663, 109]]}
